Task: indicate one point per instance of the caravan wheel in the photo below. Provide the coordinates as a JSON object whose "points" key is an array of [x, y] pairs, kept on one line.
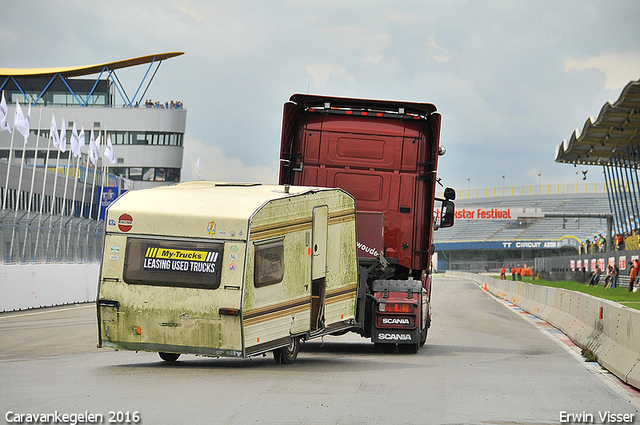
{"points": [[288, 354], [169, 357]]}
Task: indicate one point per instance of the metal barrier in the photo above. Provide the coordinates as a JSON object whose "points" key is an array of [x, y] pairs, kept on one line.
{"points": [[27, 237], [538, 189]]}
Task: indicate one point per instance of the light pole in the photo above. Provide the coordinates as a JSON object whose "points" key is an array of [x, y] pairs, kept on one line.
{"points": [[539, 183]]}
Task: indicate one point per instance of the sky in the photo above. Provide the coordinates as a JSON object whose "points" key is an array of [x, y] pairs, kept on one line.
{"points": [[512, 79]]}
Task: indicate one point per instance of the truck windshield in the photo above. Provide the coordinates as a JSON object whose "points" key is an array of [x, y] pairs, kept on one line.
{"points": [[173, 263]]}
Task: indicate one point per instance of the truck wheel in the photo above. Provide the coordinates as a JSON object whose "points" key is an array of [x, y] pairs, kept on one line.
{"points": [[423, 336], [288, 354], [169, 357]]}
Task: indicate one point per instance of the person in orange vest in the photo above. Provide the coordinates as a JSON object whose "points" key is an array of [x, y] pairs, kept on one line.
{"points": [[519, 272], [513, 272], [633, 274], [503, 270]]}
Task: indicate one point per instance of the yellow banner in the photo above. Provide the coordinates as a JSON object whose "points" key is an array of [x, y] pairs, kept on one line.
{"points": [[176, 254]]}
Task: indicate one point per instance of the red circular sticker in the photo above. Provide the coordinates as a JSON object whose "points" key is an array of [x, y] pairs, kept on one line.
{"points": [[125, 222]]}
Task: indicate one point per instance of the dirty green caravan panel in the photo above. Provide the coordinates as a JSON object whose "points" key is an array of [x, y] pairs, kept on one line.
{"points": [[173, 263]]}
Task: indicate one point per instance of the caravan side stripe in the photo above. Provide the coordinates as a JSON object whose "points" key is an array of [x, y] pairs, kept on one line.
{"points": [[296, 306], [275, 311]]}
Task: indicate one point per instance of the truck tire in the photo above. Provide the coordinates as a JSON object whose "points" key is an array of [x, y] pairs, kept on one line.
{"points": [[423, 334], [169, 357], [288, 354]]}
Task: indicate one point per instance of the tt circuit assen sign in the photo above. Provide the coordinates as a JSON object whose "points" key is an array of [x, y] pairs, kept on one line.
{"points": [[531, 244]]}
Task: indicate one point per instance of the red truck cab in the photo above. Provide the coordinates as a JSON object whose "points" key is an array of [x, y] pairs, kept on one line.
{"points": [[385, 154]]}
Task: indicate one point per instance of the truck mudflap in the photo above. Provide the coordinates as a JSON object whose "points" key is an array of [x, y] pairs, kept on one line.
{"points": [[395, 336], [396, 312]]}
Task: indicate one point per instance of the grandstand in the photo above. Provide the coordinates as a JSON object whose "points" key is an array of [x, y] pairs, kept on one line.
{"points": [[525, 234], [477, 243]]}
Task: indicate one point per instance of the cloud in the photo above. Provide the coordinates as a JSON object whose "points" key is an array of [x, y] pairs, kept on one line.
{"points": [[216, 166], [322, 72], [618, 68]]}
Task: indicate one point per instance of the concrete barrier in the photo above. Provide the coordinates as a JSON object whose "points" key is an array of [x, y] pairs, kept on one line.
{"points": [[41, 285], [610, 330]]}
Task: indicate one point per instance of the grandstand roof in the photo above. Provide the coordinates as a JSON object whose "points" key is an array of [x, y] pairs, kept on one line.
{"points": [[77, 71], [614, 130]]}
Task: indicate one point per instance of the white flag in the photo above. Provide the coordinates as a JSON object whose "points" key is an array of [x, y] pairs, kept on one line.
{"points": [[108, 151], [20, 122], [4, 125], [63, 137], [92, 148], [81, 137], [96, 148], [197, 165], [53, 132], [75, 144]]}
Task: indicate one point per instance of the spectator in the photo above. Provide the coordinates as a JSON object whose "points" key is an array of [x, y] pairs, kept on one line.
{"points": [[607, 279], [633, 274], [595, 277], [614, 277]]}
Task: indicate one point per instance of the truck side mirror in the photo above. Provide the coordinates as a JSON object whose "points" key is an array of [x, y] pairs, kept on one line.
{"points": [[450, 194], [448, 213]]}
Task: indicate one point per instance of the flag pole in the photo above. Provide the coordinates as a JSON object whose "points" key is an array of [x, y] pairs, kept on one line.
{"points": [[74, 136], [52, 135], [84, 188], [33, 175], [64, 193], [19, 191], [24, 149], [95, 173], [63, 139], [86, 176], [103, 169], [6, 185], [79, 144]]}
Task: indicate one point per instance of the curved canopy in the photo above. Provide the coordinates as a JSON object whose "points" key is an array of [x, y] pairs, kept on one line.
{"points": [[77, 71], [614, 130]]}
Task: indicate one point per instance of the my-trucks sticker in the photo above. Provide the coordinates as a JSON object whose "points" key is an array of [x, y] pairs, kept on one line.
{"points": [[180, 260], [125, 222]]}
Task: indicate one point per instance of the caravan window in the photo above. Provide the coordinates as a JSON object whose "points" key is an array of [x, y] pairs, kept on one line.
{"points": [[173, 263], [269, 263]]}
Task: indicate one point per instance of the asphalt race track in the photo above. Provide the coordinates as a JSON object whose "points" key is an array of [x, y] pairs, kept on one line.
{"points": [[483, 363]]}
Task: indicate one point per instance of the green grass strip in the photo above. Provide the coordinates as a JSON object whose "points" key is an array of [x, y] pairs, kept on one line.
{"points": [[619, 295]]}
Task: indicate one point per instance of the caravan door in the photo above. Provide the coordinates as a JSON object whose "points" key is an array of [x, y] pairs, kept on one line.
{"points": [[319, 265]]}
